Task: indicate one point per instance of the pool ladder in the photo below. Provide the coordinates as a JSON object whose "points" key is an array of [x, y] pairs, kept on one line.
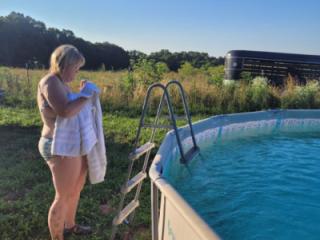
{"points": [[126, 215]]}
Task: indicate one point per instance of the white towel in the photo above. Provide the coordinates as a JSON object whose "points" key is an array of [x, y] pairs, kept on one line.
{"points": [[81, 135], [97, 158]]}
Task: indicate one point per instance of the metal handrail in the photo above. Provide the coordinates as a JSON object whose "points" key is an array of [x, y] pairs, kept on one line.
{"points": [[187, 113], [144, 110]]}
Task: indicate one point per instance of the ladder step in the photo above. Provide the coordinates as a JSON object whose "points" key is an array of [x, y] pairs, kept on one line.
{"points": [[191, 153], [158, 126], [141, 150], [125, 212], [133, 182]]}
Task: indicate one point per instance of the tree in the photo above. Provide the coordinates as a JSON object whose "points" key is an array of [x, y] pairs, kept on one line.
{"points": [[23, 39]]}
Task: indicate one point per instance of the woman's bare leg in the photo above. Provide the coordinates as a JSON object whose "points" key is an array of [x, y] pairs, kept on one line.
{"points": [[74, 199], [65, 174]]}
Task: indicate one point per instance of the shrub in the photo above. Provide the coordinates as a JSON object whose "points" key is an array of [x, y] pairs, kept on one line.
{"points": [[259, 92], [216, 75]]}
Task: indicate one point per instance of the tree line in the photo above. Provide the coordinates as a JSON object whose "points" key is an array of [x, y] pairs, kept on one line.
{"points": [[25, 41]]}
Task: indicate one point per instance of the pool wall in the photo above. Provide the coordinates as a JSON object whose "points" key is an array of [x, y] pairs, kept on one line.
{"points": [[172, 216]]}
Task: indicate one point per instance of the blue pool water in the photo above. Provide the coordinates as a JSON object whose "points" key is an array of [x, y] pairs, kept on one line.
{"points": [[264, 186]]}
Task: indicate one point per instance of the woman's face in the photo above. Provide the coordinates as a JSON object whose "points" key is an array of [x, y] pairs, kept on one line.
{"points": [[70, 72]]}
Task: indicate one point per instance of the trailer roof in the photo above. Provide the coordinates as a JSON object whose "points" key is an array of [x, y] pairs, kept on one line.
{"points": [[275, 56]]}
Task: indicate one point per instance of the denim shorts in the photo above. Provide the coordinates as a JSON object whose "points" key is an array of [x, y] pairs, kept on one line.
{"points": [[44, 147]]}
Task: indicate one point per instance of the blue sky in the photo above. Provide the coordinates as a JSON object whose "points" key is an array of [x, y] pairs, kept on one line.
{"points": [[208, 26]]}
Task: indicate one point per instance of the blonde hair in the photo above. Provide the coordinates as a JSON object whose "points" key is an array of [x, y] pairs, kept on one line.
{"points": [[64, 56]]}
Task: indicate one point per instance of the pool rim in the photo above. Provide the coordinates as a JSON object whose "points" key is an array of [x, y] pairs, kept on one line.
{"points": [[158, 182]]}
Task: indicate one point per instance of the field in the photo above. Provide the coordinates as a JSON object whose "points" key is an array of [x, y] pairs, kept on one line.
{"points": [[26, 190], [123, 92]]}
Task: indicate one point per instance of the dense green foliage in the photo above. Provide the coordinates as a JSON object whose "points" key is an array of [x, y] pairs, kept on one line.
{"points": [[175, 60], [25, 41]]}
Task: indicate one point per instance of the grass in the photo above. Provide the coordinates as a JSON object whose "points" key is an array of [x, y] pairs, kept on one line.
{"points": [[26, 190]]}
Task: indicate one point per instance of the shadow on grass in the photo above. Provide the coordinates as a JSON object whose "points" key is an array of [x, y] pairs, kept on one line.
{"points": [[26, 190]]}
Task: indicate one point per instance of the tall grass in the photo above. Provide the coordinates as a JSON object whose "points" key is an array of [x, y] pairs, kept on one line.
{"points": [[298, 96], [123, 91]]}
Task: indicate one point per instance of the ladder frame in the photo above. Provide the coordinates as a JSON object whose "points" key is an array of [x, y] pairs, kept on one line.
{"points": [[183, 159]]}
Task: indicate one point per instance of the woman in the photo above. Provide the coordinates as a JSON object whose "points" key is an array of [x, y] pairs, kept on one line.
{"points": [[68, 173]]}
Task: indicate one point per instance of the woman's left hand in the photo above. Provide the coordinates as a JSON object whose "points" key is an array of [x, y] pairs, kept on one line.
{"points": [[83, 83]]}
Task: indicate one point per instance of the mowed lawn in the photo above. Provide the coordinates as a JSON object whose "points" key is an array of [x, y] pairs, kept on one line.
{"points": [[26, 190]]}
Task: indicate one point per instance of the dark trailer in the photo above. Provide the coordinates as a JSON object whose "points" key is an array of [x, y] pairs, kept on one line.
{"points": [[275, 66]]}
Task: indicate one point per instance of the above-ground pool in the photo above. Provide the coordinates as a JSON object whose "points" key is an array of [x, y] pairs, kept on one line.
{"points": [[257, 177]]}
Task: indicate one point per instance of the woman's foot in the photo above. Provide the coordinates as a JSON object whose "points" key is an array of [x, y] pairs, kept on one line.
{"points": [[77, 230]]}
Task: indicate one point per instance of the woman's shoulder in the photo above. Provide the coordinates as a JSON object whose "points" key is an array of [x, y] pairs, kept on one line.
{"points": [[48, 80]]}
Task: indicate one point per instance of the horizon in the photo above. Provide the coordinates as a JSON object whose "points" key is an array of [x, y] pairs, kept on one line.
{"points": [[143, 26]]}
